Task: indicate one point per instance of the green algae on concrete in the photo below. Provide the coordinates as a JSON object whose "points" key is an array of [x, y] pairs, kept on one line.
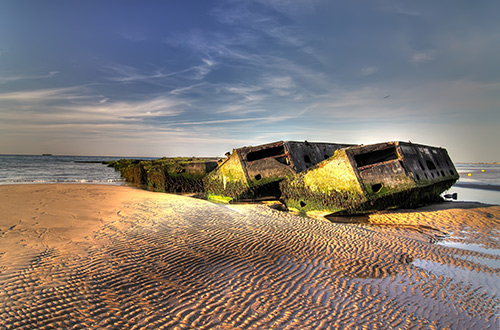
{"points": [[254, 172], [172, 175], [362, 179], [328, 187], [227, 182], [310, 178], [130, 170]]}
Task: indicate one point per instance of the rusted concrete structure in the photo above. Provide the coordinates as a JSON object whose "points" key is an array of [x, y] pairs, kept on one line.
{"points": [[254, 172], [361, 179]]}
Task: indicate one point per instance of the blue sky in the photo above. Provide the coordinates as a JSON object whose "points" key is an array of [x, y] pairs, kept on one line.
{"points": [[198, 78]]}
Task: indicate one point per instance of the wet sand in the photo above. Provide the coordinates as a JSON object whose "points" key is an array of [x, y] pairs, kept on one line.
{"points": [[99, 257]]}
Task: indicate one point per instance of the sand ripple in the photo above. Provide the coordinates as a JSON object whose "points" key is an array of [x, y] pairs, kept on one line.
{"points": [[177, 263]]}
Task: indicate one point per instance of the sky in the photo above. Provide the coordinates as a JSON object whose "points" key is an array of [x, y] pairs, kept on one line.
{"points": [[201, 77]]}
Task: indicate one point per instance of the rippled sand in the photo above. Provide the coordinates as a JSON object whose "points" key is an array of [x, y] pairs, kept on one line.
{"points": [[97, 257]]}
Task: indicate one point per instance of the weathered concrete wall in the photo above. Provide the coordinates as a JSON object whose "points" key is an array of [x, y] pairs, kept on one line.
{"points": [[254, 172], [328, 187], [367, 178], [397, 166], [265, 163], [228, 181], [131, 170], [304, 155], [173, 175]]}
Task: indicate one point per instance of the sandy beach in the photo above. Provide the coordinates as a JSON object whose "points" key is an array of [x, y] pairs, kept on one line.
{"points": [[114, 257]]}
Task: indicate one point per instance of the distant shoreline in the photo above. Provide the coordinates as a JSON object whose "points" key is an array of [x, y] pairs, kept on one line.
{"points": [[478, 186], [478, 163]]}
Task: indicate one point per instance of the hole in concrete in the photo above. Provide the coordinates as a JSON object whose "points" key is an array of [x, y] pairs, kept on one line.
{"points": [[283, 160], [258, 177], [451, 172], [421, 166], [377, 156], [307, 159], [302, 204], [430, 165], [265, 153], [442, 173], [326, 156], [418, 177], [376, 187]]}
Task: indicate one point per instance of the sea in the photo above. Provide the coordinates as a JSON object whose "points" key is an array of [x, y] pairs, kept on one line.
{"points": [[477, 183], [22, 169]]}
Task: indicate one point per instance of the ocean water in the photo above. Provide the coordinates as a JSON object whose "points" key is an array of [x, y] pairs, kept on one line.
{"points": [[478, 183], [18, 169], [481, 174]]}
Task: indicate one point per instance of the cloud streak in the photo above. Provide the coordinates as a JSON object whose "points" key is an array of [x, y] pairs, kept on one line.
{"points": [[79, 105], [12, 78], [425, 56], [41, 95]]}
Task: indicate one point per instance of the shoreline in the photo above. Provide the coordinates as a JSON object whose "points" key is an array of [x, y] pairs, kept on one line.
{"points": [[99, 255]]}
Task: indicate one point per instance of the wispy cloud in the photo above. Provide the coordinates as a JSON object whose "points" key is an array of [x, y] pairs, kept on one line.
{"points": [[80, 105], [408, 9], [291, 7], [186, 89], [435, 102], [254, 23], [281, 82], [243, 90], [220, 121], [423, 56], [41, 95], [8, 79], [238, 109], [239, 13], [125, 73], [268, 119], [369, 70], [159, 76], [207, 65], [157, 107]]}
